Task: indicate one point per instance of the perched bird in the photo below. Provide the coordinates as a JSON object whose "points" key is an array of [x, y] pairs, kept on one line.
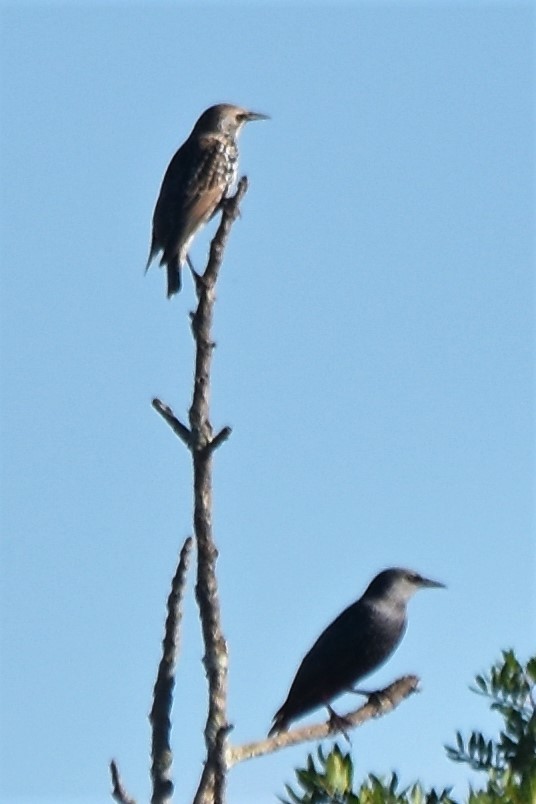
{"points": [[357, 642], [198, 178]]}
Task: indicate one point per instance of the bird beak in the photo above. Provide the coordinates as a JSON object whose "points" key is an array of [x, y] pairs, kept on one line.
{"points": [[256, 116], [427, 583]]}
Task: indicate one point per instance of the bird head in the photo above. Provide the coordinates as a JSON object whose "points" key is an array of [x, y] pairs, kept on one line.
{"points": [[226, 119], [398, 585]]}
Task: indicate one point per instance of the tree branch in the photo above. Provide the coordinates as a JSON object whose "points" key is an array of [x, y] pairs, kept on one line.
{"points": [[178, 427], [378, 704], [118, 791], [202, 445], [219, 439], [160, 716]]}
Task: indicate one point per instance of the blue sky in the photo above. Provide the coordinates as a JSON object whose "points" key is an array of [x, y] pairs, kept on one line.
{"points": [[375, 358]]}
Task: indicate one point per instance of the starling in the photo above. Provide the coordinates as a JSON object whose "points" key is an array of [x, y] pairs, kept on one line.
{"points": [[357, 642], [197, 180]]}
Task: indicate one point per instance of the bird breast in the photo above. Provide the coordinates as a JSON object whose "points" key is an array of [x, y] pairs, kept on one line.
{"points": [[219, 167]]}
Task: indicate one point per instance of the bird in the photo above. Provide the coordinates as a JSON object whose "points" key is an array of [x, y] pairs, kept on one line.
{"points": [[197, 180], [357, 642]]}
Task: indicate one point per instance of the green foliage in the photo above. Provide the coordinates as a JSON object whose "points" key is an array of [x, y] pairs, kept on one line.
{"points": [[329, 781], [508, 761]]}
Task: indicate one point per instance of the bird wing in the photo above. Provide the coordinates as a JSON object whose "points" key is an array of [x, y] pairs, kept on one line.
{"points": [[193, 186], [348, 650]]}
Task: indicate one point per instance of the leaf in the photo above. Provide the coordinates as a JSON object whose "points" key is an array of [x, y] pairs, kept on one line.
{"points": [[531, 669], [481, 683], [294, 798], [337, 780]]}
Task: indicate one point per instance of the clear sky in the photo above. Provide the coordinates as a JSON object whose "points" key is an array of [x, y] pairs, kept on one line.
{"points": [[375, 359]]}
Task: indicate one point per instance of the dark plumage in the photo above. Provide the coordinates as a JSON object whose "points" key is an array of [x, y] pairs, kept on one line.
{"points": [[198, 178], [357, 642]]}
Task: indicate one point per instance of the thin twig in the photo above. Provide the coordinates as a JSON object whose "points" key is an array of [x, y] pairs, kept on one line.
{"points": [[177, 426], [378, 704], [118, 791], [219, 439], [160, 716]]}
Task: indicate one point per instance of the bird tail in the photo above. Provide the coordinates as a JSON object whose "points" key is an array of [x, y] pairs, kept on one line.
{"points": [[280, 723], [152, 253], [174, 282]]}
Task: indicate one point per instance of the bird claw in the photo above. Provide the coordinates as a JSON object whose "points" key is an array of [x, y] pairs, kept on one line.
{"points": [[338, 723], [378, 699], [227, 205], [375, 698], [355, 691]]}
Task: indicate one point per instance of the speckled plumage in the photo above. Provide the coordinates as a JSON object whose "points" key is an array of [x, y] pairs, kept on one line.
{"points": [[196, 181]]}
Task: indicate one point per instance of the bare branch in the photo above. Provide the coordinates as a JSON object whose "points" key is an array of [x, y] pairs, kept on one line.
{"points": [[231, 211], [219, 439], [160, 716], [220, 766], [178, 427], [378, 704], [212, 785], [118, 791], [202, 445]]}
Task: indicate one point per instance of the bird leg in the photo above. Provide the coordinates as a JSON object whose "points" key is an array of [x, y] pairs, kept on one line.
{"points": [[375, 697], [198, 279], [366, 693], [339, 723], [195, 275]]}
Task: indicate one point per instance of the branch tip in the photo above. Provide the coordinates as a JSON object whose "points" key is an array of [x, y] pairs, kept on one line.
{"points": [[176, 425], [219, 439], [118, 791], [160, 715]]}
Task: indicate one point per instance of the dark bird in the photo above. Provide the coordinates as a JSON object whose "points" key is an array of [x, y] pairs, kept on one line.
{"points": [[196, 182], [357, 642]]}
